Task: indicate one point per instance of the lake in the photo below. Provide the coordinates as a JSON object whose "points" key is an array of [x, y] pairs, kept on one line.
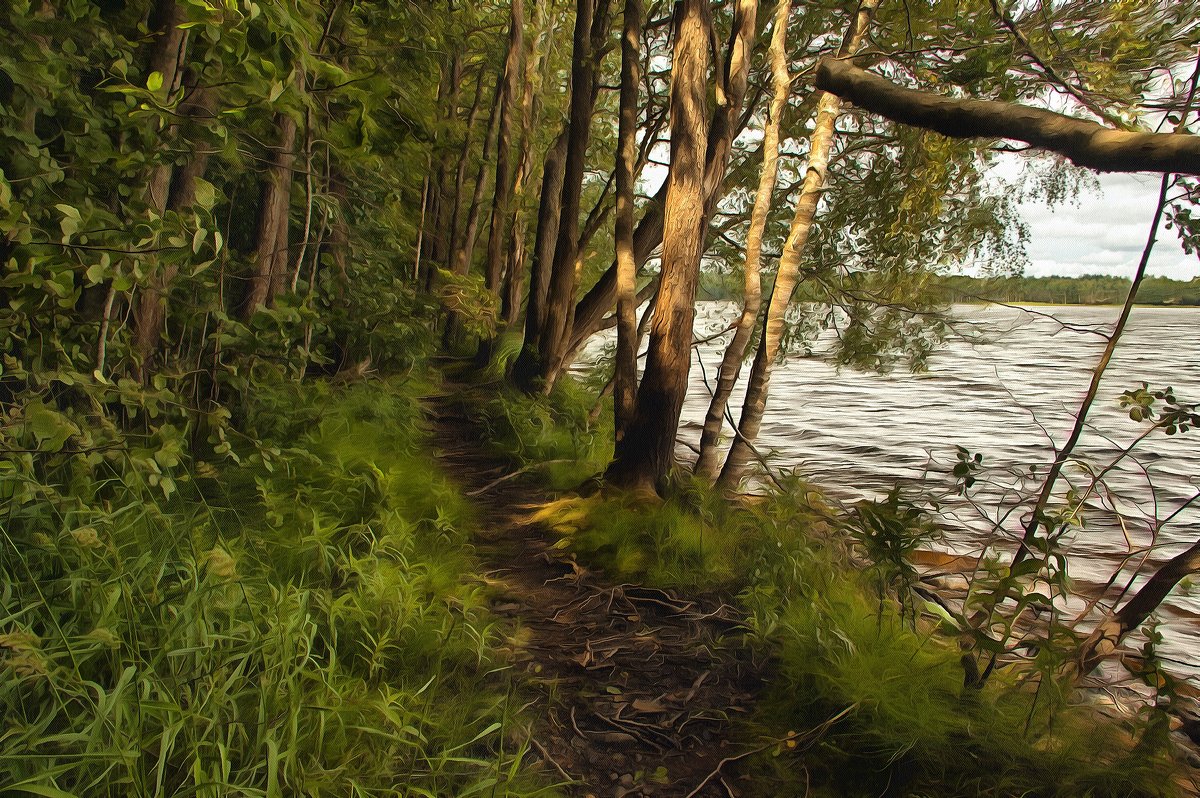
{"points": [[1007, 386]]}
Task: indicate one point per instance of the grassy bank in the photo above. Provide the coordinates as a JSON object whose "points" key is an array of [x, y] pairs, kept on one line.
{"points": [[299, 617], [866, 695]]}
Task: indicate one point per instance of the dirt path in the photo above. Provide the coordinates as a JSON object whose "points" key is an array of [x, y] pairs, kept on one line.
{"points": [[635, 690]]}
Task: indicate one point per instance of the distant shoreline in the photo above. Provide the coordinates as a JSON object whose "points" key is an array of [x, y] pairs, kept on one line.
{"points": [[1094, 290], [1021, 302]]}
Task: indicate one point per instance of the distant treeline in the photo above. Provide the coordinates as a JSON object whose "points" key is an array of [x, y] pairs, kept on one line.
{"points": [[1091, 289]]}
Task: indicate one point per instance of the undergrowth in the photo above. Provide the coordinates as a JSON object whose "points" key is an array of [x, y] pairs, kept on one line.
{"points": [[299, 617], [866, 698], [553, 436]]}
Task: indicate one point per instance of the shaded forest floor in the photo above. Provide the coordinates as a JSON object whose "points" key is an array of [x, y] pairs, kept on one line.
{"points": [[635, 691]]}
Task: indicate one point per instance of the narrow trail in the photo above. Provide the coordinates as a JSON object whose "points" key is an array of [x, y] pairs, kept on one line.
{"points": [[635, 691]]}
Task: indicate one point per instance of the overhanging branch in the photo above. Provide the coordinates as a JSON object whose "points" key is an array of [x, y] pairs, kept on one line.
{"points": [[1082, 142]]}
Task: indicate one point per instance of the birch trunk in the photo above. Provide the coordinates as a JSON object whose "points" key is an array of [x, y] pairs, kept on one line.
{"points": [[820, 146], [731, 363]]}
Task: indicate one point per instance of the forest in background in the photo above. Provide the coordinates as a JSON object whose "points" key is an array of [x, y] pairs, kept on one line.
{"points": [[246, 247], [1089, 289], [1093, 289]]}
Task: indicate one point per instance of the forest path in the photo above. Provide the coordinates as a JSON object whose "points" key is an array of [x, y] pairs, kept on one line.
{"points": [[635, 691]]}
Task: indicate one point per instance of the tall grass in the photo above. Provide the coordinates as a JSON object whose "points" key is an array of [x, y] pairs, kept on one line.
{"points": [[302, 621], [554, 436]]}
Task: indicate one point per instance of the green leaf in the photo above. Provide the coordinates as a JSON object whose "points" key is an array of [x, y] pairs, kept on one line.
{"points": [[155, 81], [206, 194], [50, 427]]}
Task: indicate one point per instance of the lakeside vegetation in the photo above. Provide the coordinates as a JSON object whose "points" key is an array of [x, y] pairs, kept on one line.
{"points": [[248, 249], [1090, 289]]}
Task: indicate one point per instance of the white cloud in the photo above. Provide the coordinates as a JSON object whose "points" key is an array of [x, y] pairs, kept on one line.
{"points": [[1104, 233]]}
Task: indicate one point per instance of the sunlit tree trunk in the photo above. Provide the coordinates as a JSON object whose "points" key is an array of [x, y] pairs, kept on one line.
{"points": [[625, 375], [646, 452], [820, 146], [731, 363], [531, 104], [589, 314]]}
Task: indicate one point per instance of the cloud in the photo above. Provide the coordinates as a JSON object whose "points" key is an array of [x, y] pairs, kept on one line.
{"points": [[1103, 233]]}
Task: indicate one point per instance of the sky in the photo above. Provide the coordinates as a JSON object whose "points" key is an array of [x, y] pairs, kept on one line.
{"points": [[1104, 232]]}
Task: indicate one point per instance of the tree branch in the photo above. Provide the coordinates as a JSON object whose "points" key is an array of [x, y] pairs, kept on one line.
{"points": [[1084, 143]]}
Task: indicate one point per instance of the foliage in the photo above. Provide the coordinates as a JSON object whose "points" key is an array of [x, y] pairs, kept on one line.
{"points": [[1092, 289], [298, 619], [828, 597], [554, 435]]}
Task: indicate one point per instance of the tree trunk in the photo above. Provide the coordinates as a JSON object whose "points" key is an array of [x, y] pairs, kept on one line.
{"points": [[625, 374], [731, 363], [465, 250], [167, 57], [820, 146], [503, 194], [466, 247], [531, 104], [591, 26], [460, 174], [151, 311], [169, 187], [439, 231], [646, 452], [527, 367], [1084, 143], [1104, 640], [270, 251], [589, 313]]}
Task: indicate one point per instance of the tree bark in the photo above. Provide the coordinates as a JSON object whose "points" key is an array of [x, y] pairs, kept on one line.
{"points": [[465, 249], [527, 367], [439, 233], [731, 363], [270, 250], [1083, 143], [591, 27], [820, 147], [1105, 638], [645, 454], [170, 187], [167, 57], [460, 173], [503, 194], [151, 311], [724, 127], [625, 374], [531, 104]]}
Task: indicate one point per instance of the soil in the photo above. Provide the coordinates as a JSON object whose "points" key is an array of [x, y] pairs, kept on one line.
{"points": [[633, 691]]}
